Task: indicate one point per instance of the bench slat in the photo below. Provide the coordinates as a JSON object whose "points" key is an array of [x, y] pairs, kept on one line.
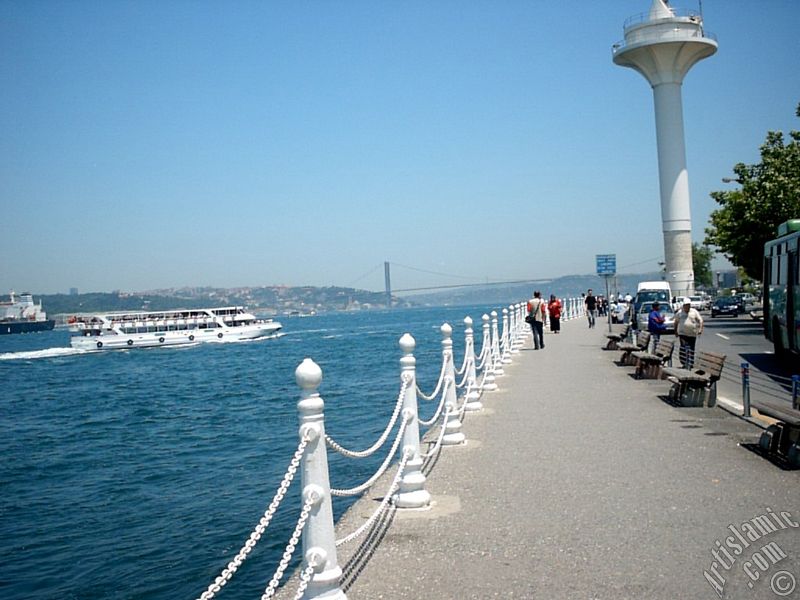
{"points": [[787, 414]]}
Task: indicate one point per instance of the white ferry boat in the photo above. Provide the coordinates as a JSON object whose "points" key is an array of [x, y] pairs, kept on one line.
{"points": [[168, 328]]}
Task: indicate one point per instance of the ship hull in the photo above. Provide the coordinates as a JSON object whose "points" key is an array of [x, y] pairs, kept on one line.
{"points": [[7, 327]]}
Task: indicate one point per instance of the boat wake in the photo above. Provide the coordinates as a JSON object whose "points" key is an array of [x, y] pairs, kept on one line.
{"points": [[34, 354], [271, 336]]}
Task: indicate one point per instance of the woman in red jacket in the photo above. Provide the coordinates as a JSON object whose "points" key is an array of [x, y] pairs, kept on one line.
{"points": [[554, 308]]}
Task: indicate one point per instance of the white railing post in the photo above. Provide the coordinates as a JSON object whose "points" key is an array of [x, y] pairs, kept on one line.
{"points": [[489, 384], [513, 315], [496, 358], [523, 326], [472, 397], [319, 541], [452, 426], [506, 355], [411, 492]]}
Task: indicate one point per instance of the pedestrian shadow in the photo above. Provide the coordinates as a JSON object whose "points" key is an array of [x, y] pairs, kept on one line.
{"points": [[776, 459]]}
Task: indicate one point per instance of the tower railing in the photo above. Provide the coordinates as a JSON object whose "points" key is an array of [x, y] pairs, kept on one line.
{"points": [[667, 36], [693, 16]]}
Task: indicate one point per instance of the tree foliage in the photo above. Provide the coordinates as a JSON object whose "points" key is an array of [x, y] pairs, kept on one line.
{"points": [[701, 265], [769, 195]]}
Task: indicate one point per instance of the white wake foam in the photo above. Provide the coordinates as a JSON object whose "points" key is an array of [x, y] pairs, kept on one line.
{"points": [[34, 354]]}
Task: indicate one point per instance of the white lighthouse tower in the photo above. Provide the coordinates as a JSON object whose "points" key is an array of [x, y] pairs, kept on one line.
{"points": [[663, 44]]}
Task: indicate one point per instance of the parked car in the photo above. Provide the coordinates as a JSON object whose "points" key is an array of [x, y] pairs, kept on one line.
{"points": [[746, 299], [727, 305], [666, 311], [699, 302]]}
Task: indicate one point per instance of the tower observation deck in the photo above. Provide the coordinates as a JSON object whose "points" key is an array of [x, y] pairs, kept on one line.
{"points": [[662, 45]]}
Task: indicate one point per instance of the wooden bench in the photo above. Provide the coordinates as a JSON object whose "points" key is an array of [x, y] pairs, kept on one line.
{"points": [[698, 386], [615, 338], [641, 343], [648, 365], [783, 438]]}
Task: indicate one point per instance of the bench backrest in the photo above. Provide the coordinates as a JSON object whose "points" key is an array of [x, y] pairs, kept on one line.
{"points": [[709, 363], [664, 348], [643, 340]]}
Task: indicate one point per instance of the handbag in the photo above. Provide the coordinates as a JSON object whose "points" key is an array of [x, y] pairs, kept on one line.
{"points": [[529, 319]]}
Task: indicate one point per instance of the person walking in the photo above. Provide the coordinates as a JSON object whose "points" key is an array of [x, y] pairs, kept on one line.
{"points": [[554, 310], [688, 325], [655, 324], [536, 312], [591, 308]]}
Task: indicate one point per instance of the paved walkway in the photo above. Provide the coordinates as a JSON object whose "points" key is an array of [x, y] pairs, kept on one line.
{"points": [[577, 481]]}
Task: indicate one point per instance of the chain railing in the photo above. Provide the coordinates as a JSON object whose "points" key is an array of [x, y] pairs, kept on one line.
{"points": [[263, 523], [319, 575]]}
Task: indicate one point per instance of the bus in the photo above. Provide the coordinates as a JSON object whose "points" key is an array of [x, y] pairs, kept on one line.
{"points": [[782, 290]]}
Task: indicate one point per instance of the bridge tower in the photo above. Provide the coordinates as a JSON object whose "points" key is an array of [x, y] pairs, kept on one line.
{"points": [[388, 281], [662, 45]]}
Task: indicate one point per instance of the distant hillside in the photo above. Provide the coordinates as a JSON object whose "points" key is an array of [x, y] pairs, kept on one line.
{"points": [[268, 300], [278, 300], [567, 286]]}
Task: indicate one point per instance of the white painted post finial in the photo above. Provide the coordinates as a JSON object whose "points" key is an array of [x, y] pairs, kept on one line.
{"points": [[319, 541]]}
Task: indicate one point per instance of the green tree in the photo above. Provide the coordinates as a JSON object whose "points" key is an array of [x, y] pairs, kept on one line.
{"points": [[769, 195], [701, 264]]}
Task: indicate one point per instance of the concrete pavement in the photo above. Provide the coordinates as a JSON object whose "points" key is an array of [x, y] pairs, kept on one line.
{"points": [[577, 481]]}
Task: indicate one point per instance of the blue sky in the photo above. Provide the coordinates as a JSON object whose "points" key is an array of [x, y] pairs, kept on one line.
{"points": [[160, 144]]}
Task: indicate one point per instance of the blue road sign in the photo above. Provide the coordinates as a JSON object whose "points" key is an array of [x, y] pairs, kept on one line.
{"points": [[606, 264]]}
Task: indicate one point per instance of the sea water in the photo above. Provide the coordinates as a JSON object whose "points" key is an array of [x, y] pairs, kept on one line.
{"points": [[140, 473]]}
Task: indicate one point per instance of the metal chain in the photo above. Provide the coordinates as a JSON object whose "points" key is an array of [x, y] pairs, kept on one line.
{"points": [[232, 566], [384, 503], [287, 555], [358, 489], [466, 374], [466, 358], [305, 578], [438, 383], [464, 403], [436, 446], [484, 356], [371, 450], [435, 416]]}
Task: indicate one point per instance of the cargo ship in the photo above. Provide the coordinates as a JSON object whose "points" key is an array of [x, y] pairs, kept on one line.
{"points": [[21, 315]]}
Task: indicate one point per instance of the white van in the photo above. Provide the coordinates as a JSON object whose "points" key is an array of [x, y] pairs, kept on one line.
{"points": [[651, 291], [653, 285]]}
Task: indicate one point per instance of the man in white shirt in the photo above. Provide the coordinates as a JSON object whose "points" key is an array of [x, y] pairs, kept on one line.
{"points": [[688, 325]]}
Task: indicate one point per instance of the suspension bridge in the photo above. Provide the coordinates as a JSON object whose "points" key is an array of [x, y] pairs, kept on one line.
{"points": [[462, 281]]}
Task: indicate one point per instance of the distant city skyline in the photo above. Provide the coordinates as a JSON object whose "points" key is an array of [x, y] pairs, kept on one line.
{"points": [[160, 145]]}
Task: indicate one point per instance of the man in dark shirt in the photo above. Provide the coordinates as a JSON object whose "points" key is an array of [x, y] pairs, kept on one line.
{"points": [[591, 308], [655, 324]]}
